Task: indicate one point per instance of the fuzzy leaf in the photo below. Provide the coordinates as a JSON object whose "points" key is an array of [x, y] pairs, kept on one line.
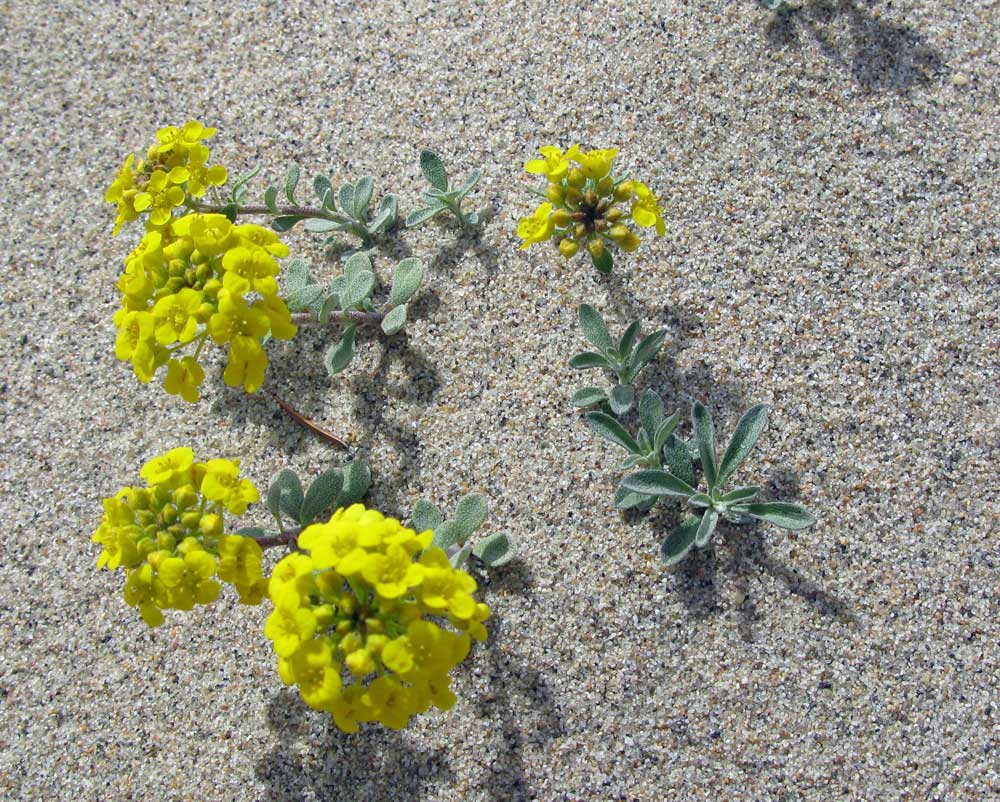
{"points": [[748, 430], [662, 435], [594, 328], [588, 396], [704, 432], [362, 197], [359, 287], [357, 480], [651, 414], [700, 500], [394, 320], [426, 516], [423, 215], [620, 398], [345, 197], [679, 542], [297, 274], [779, 513], [291, 182], [658, 483], [433, 170], [387, 216], [466, 187], [356, 263], [254, 532], [705, 529], [588, 359], [448, 533], [603, 263], [340, 353], [458, 559], [321, 495], [741, 494], [318, 225], [610, 429], [308, 297], [646, 350], [284, 495], [285, 222], [495, 549], [627, 499], [271, 199], [470, 514], [628, 340], [406, 280], [677, 458], [330, 305]]}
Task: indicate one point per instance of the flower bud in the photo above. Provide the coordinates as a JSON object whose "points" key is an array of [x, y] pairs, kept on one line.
{"points": [[596, 248], [145, 517], [573, 196], [618, 233], [376, 643], [576, 178], [324, 615], [590, 198], [624, 191], [174, 285], [580, 231], [555, 193], [561, 218], [374, 625], [359, 662], [168, 514], [347, 604], [345, 627], [166, 541], [146, 546], [614, 214], [351, 642], [204, 273], [605, 186], [189, 544], [190, 520], [630, 243], [211, 525], [569, 247], [185, 497]]}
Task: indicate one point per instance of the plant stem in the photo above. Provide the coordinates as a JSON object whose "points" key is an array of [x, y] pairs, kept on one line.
{"points": [[288, 538], [362, 318]]}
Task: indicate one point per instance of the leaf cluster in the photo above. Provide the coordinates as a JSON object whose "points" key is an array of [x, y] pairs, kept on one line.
{"points": [[452, 534], [625, 359], [713, 504], [352, 217], [353, 291], [442, 197]]}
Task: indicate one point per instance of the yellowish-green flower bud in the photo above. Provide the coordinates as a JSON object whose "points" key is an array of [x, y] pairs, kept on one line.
{"points": [[190, 520], [168, 514], [573, 196], [624, 191], [351, 642], [618, 233], [576, 178], [569, 247], [359, 662], [596, 248], [211, 525], [375, 643], [590, 198], [345, 627], [580, 231], [166, 541], [605, 186], [347, 603], [146, 546], [614, 214], [324, 615], [555, 193], [190, 544], [145, 517], [561, 218]]}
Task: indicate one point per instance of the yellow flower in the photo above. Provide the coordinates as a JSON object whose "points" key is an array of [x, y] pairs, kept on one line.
{"points": [[537, 228], [247, 364], [239, 560], [392, 573], [170, 470], [222, 484], [646, 211], [249, 269], [553, 166], [188, 580], [175, 316], [595, 164], [160, 198], [288, 626], [183, 378], [235, 317]]}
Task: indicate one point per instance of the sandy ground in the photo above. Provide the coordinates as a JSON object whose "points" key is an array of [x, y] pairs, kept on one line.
{"points": [[830, 186]]}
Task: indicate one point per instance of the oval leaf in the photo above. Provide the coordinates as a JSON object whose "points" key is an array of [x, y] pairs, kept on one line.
{"points": [[446, 534], [748, 430], [406, 280], [679, 542], [421, 216], [470, 514], [285, 495], [594, 328], [627, 499], [359, 287], [495, 550], [426, 516], [589, 359], [321, 495], [705, 529], [291, 182], [357, 263], [271, 199], [394, 320], [658, 483], [317, 225], [704, 432], [357, 480], [363, 196], [779, 513], [651, 413], [433, 170], [628, 340], [340, 353], [346, 198], [620, 398], [588, 396], [610, 429], [285, 222]]}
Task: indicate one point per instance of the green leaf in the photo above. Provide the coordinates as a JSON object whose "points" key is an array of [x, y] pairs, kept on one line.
{"points": [[495, 550], [651, 414], [357, 263], [594, 328], [470, 514], [704, 432], [330, 305], [318, 225], [610, 429], [406, 280], [466, 188], [359, 286], [298, 275], [740, 494], [363, 196], [308, 297], [748, 430], [346, 198], [271, 199], [324, 190], [458, 559], [357, 480], [604, 263], [448, 533], [589, 359], [394, 320], [340, 353], [627, 499], [662, 434], [321, 495], [285, 495], [255, 532], [700, 500], [426, 516], [387, 216], [658, 483], [628, 340], [677, 458], [705, 529], [420, 216], [620, 398], [285, 222], [588, 396], [779, 513], [679, 542], [647, 350], [433, 170], [291, 182]]}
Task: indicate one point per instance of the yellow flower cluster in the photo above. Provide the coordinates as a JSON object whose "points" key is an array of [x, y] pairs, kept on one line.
{"points": [[586, 206], [190, 282], [175, 167], [169, 536], [355, 601]]}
